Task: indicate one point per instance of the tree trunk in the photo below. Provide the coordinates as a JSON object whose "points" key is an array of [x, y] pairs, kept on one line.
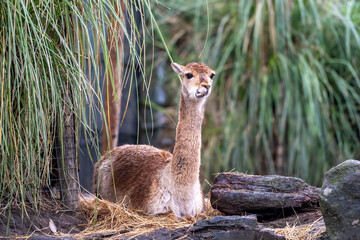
{"points": [[112, 91], [67, 162]]}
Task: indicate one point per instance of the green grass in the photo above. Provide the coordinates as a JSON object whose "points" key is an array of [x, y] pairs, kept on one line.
{"points": [[287, 77], [45, 46]]}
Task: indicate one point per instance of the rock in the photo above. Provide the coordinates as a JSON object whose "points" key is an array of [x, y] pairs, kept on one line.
{"points": [[233, 227], [220, 227], [340, 201], [234, 193], [302, 218]]}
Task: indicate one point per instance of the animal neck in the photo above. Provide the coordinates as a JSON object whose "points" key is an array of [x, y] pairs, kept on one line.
{"points": [[185, 165]]}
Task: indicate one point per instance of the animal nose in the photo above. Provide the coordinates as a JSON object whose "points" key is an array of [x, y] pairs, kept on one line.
{"points": [[205, 85]]}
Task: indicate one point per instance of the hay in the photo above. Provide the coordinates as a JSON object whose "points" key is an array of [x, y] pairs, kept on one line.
{"points": [[107, 216], [302, 232]]}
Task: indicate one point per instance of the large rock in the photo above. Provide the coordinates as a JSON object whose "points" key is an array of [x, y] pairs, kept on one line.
{"points": [[234, 193], [340, 201]]}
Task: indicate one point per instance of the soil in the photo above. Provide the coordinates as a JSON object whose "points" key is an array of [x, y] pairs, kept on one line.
{"points": [[35, 224]]}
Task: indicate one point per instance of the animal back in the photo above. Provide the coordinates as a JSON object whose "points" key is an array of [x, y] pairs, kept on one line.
{"points": [[135, 170]]}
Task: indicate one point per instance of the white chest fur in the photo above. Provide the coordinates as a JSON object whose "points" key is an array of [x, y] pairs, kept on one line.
{"points": [[182, 200]]}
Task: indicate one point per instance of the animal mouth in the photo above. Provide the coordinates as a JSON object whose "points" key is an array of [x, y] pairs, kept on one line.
{"points": [[202, 92]]}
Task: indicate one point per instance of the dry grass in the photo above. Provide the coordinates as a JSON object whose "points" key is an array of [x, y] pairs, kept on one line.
{"points": [[108, 216], [105, 216], [302, 232]]}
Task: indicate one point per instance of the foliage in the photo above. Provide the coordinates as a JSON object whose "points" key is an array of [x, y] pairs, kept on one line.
{"points": [[48, 48], [286, 97]]}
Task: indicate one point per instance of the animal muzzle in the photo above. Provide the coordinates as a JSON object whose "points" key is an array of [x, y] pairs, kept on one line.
{"points": [[201, 92]]}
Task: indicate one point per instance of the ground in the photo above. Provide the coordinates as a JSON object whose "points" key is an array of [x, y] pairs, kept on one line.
{"points": [[74, 225], [66, 221]]}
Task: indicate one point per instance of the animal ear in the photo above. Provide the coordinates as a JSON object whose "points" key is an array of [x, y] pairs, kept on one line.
{"points": [[177, 68]]}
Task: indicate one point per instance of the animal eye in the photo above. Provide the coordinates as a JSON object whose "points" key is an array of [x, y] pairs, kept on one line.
{"points": [[189, 75], [212, 75]]}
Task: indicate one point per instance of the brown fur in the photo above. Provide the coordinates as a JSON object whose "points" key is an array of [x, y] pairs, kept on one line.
{"points": [[130, 178], [137, 171], [185, 164]]}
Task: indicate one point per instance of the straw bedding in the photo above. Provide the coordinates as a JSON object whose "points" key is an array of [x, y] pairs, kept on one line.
{"points": [[108, 216], [105, 216]]}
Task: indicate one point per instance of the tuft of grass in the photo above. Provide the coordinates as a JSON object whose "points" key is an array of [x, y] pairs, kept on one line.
{"points": [[50, 51], [286, 96], [297, 231]]}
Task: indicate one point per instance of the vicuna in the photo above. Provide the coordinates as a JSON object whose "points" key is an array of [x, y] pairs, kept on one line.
{"points": [[156, 181]]}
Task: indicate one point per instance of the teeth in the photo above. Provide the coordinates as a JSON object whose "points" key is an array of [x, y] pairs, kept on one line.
{"points": [[200, 95]]}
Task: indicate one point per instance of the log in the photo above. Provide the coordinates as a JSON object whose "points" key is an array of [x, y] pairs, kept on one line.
{"points": [[234, 193]]}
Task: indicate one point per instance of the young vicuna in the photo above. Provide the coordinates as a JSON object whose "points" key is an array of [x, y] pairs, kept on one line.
{"points": [[153, 180]]}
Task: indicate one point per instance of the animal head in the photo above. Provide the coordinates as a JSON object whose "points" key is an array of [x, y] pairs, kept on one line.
{"points": [[197, 79]]}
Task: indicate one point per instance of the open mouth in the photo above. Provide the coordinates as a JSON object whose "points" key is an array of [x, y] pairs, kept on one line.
{"points": [[201, 92]]}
